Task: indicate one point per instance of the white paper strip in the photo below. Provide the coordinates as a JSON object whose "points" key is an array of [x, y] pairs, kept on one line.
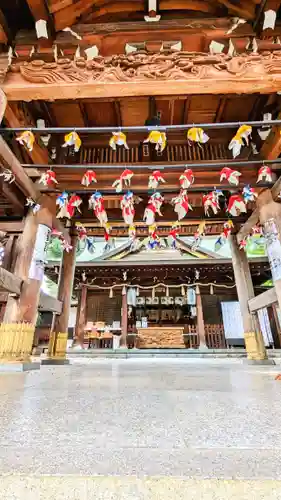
{"points": [[235, 23], [216, 47], [73, 33], [41, 28], [269, 19], [91, 52]]}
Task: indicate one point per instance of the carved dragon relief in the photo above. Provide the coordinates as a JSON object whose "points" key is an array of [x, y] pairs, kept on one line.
{"points": [[143, 67]]}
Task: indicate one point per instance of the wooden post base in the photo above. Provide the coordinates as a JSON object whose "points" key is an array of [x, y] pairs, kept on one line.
{"points": [[16, 341], [255, 346], [57, 347]]}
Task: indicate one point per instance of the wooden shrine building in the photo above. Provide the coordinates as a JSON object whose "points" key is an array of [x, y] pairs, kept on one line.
{"points": [[148, 135]]}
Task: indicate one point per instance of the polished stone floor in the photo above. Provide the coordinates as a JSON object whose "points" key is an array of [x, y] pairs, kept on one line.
{"points": [[175, 420]]}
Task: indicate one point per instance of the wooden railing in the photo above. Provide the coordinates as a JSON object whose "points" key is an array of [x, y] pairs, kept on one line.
{"points": [[214, 336]]}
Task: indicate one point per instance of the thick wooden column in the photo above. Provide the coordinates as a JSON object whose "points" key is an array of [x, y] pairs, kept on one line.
{"points": [[81, 315], [17, 329], [200, 321], [124, 319], [245, 291], [58, 340]]}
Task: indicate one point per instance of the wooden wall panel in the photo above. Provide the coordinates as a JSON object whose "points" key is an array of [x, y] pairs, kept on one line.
{"points": [[134, 111], [67, 114]]}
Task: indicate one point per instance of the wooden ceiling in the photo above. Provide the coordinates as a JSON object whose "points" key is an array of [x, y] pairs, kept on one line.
{"points": [[21, 15]]}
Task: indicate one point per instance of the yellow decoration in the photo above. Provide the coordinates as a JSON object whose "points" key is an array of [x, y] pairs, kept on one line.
{"points": [[158, 138], [236, 143], [27, 138], [72, 139], [197, 134], [118, 139]]}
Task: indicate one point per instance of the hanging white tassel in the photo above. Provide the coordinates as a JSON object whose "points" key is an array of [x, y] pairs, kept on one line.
{"points": [[124, 290], [167, 291], [111, 293], [153, 293], [197, 290], [137, 291], [211, 289], [182, 291]]}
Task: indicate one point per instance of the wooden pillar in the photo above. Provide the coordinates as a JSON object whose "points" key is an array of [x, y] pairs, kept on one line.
{"points": [[124, 319], [200, 320], [59, 335], [245, 291], [81, 315], [17, 329]]}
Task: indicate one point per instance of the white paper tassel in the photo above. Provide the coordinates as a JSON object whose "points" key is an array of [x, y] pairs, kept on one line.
{"points": [[211, 290], [111, 293], [183, 291], [137, 291], [167, 291], [197, 290], [153, 293], [124, 290]]}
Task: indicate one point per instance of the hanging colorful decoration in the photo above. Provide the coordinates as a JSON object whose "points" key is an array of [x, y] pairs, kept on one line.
{"points": [[197, 134], [67, 205], [198, 235], [153, 240], [265, 174], [132, 232], [211, 202], [186, 179], [123, 181], [72, 139], [236, 143], [2, 254], [231, 176], [243, 244], [35, 207], [127, 207], [82, 236], [224, 235], [48, 178], [158, 138], [26, 139], [96, 202], [173, 235], [181, 204], [8, 176], [89, 178], [249, 194], [118, 139], [155, 179], [109, 241], [153, 208], [236, 205]]}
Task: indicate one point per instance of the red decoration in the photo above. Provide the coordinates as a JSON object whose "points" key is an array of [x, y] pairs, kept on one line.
{"points": [[236, 205], [124, 180], [232, 176]]}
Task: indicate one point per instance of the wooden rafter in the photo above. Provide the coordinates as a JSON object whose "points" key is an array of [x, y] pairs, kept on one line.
{"points": [[244, 8]]}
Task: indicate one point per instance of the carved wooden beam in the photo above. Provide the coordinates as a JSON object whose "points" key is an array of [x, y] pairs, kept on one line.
{"points": [[144, 75]]}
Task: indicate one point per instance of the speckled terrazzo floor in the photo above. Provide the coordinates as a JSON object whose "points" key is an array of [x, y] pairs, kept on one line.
{"points": [[161, 425]]}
